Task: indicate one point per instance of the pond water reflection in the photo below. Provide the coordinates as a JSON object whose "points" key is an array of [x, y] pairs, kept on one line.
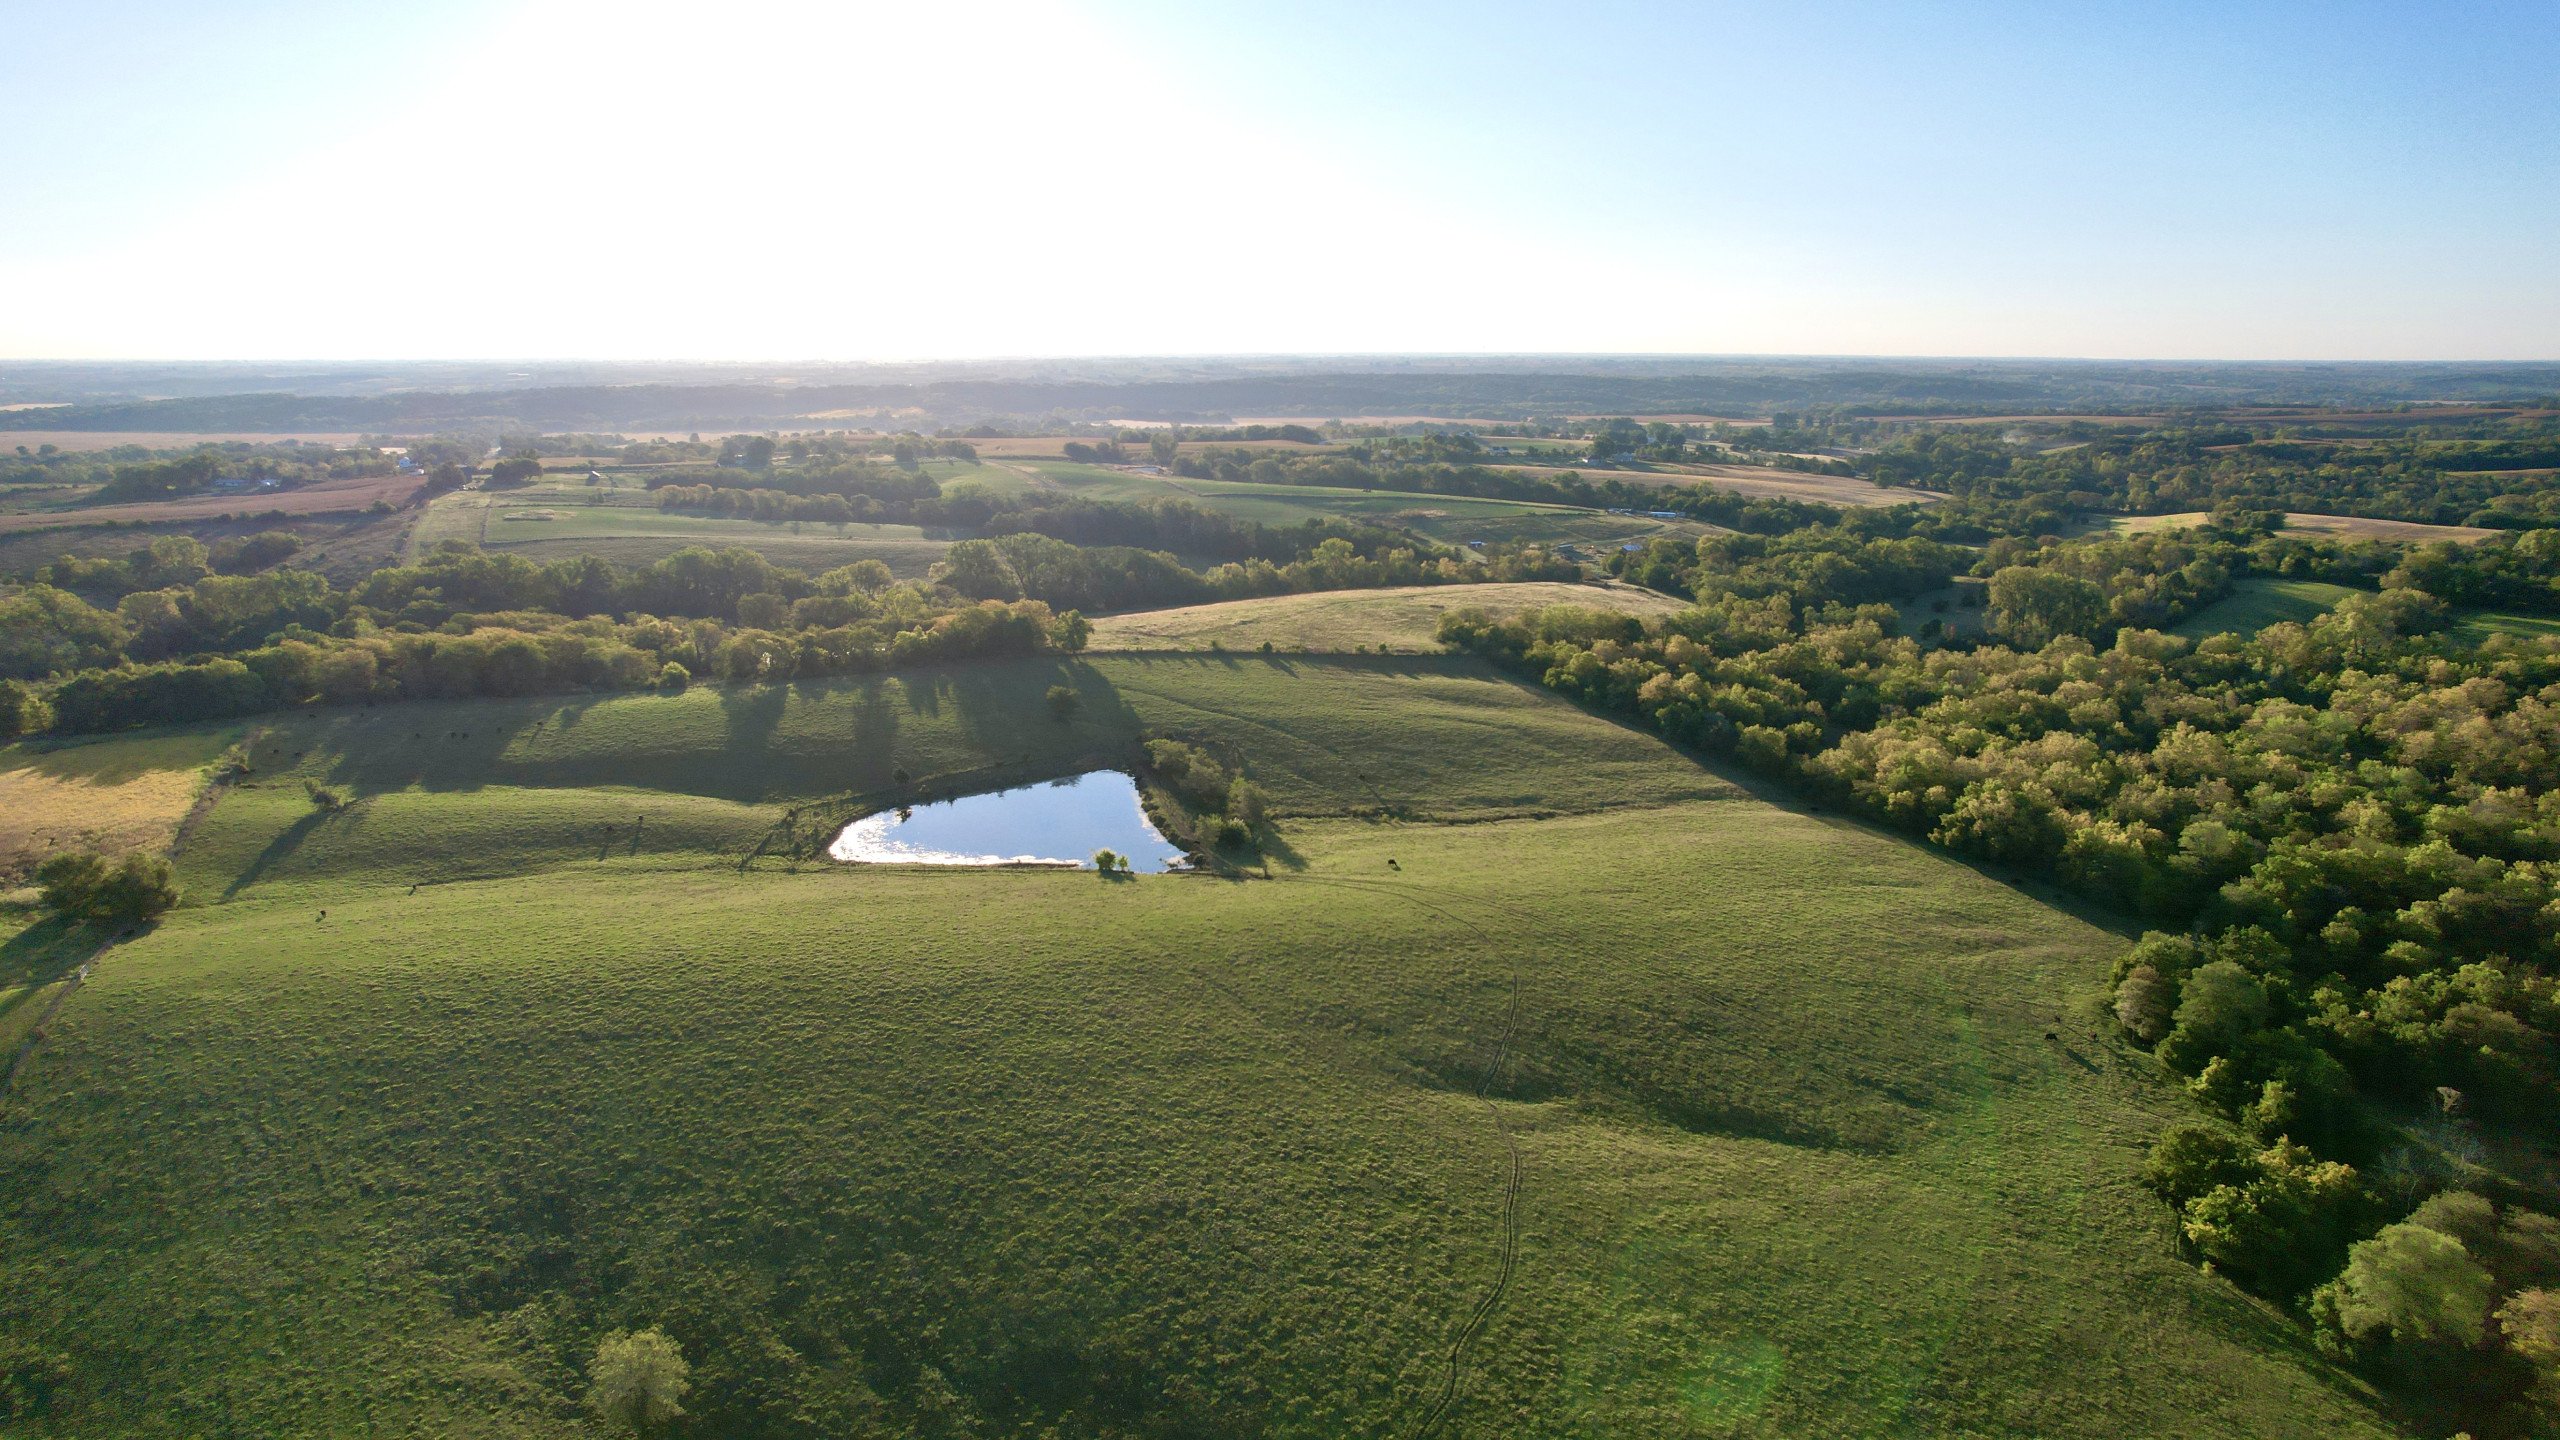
{"points": [[1060, 822]]}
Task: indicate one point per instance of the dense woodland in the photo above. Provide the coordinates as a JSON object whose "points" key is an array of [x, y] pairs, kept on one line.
{"points": [[2346, 835]]}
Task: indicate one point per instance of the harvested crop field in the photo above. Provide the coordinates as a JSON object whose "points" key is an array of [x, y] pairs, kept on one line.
{"points": [[1338, 620], [329, 497], [2354, 526], [168, 439]]}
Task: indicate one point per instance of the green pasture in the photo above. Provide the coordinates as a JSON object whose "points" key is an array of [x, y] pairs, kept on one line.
{"points": [[1732, 1120], [621, 522], [2478, 625], [2254, 604]]}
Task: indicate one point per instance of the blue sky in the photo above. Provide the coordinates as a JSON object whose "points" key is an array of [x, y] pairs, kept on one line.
{"points": [[794, 179]]}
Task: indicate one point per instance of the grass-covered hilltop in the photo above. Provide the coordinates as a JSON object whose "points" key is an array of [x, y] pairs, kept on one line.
{"points": [[1850, 920]]}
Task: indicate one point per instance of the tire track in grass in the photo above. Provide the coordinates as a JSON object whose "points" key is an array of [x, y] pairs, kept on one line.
{"points": [[1507, 1251]]}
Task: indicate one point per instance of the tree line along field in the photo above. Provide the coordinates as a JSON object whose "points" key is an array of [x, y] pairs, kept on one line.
{"points": [[1749, 1122]]}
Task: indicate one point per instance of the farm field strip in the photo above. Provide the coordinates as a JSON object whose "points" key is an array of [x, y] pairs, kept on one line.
{"points": [[326, 497]]}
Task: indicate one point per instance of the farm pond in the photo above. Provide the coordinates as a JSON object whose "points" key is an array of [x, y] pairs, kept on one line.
{"points": [[1059, 822]]}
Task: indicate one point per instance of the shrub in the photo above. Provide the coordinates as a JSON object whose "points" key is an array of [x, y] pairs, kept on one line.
{"points": [[83, 886], [674, 678], [29, 1380], [1063, 701], [637, 1380], [22, 710]]}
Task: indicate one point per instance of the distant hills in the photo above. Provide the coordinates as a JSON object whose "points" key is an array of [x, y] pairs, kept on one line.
{"points": [[402, 398]]}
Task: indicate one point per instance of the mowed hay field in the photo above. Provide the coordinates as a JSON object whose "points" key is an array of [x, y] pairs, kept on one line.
{"points": [[2352, 526], [1339, 620], [326, 497], [111, 796], [1726, 1119]]}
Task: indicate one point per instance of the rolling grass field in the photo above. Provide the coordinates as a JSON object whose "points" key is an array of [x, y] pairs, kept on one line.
{"points": [[1552, 1087], [1450, 519], [2256, 603], [1341, 620], [619, 521]]}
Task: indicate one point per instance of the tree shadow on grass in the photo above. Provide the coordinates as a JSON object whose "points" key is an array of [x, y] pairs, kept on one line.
{"points": [[45, 951], [277, 852]]}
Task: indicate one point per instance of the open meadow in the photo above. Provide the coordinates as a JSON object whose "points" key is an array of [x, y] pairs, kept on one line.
{"points": [[1551, 1086], [618, 519], [2258, 602]]}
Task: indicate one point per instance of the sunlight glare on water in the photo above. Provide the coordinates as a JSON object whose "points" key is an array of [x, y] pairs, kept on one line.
{"points": [[1061, 822]]}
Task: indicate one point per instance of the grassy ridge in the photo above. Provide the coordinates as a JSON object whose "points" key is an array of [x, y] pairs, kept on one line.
{"points": [[476, 789], [1339, 620], [894, 1151]]}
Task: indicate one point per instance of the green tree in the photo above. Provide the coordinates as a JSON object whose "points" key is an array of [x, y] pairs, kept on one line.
{"points": [[1062, 701], [1074, 632], [979, 570], [44, 630], [1246, 803], [2030, 605], [2219, 1003], [636, 1382], [2408, 1284], [2144, 1002], [22, 711], [2189, 1161], [514, 470], [83, 886]]}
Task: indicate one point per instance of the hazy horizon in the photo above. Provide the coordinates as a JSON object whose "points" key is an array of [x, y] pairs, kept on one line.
{"points": [[484, 179]]}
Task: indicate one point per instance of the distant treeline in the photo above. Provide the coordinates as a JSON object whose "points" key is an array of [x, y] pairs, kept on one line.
{"points": [[2470, 481], [1513, 389]]}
